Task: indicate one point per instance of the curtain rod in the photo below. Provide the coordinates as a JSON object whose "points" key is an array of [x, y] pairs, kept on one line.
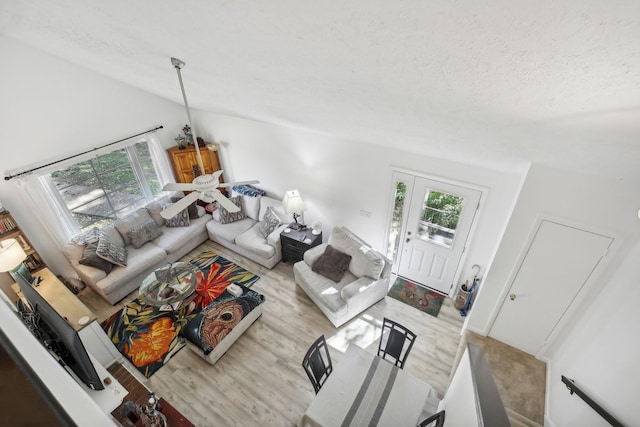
{"points": [[7, 178]]}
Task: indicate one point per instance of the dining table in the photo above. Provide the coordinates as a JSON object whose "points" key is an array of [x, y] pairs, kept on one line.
{"points": [[366, 390]]}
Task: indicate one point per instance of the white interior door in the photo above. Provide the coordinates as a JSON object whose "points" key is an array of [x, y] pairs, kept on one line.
{"points": [[557, 264], [436, 232]]}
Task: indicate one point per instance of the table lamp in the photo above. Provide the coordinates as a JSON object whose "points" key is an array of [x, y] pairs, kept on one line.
{"points": [[11, 257], [293, 204]]}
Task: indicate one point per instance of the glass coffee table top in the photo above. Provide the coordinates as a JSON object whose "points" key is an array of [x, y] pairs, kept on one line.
{"points": [[169, 284]]}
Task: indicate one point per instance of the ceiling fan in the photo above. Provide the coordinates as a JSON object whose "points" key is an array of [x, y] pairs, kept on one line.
{"points": [[204, 187]]}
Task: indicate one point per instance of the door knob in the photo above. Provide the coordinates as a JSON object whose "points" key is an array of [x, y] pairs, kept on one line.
{"points": [[512, 297]]}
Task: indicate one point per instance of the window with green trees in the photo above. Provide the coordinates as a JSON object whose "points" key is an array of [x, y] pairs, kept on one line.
{"points": [[439, 217], [108, 187]]}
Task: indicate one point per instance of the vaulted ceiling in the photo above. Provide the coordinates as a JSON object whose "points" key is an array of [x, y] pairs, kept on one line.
{"points": [[500, 83]]}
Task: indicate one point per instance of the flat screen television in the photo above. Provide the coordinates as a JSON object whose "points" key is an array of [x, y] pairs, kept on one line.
{"points": [[57, 335]]}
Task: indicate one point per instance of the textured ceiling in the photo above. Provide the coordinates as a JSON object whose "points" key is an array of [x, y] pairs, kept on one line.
{"points": [[500, 83]]}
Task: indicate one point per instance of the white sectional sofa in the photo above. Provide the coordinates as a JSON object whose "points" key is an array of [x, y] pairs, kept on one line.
{"points": [[244, 235], [365, 281], [172, 244]]}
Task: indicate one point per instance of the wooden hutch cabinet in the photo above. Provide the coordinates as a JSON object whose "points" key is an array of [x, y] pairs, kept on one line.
{"points": [[185, 162]]}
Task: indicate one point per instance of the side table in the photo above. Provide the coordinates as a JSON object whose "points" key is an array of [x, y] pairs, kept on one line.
{"points": [[296, 242]]}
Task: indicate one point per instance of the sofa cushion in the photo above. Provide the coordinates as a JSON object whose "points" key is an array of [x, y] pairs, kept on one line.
{"points": [[73, 252], [91, 258], [250, 203], [332, 263], [155, 208], [364, 260], [173, 239], [144, 233], [130, 221], [325, 291], [179, 220], [229, 231], [111, 251], [138, 261], [253, 241]]}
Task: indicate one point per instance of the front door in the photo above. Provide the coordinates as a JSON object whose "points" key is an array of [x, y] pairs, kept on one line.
{"points": [[435, 233]]}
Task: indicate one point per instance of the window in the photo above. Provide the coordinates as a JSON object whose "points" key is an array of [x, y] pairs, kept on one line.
{"points": [[396, 219], [102, 189], [439, 218]]}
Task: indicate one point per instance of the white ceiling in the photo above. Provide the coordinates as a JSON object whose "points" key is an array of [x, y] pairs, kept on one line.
{"points": [[500, 83]]}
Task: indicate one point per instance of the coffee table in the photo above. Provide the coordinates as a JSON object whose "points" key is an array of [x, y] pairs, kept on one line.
{"points": [[169, 285]]}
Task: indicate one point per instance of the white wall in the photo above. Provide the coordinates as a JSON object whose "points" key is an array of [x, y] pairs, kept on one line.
{"points": [[594, 203], [338, 178], [601, 355]]}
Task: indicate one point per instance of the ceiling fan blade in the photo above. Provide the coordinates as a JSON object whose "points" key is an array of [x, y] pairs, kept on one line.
{"points": [[180, 205], [224, 202], [231, 184], [217, 174], [178, 186]]}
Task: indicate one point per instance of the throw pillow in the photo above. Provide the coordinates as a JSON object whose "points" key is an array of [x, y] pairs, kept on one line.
{"points": [[192, 209], [332, 264], [135, 219], [155, 208], [111, 252], [91, 258], [87, 237], [112, 234], [269, 223], [144, 233], [226, 217], [180, 220]]}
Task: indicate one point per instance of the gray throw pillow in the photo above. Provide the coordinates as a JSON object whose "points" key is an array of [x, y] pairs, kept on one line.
{"points": [[227, 217], [144, 233], [111, 252], [134, 219], [332, 264], [91, 258], [269, 223], [180, 220], [89, 236], [192, 209]]}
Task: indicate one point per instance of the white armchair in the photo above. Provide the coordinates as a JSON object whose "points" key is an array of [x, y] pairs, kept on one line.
{"points": [[365, 282]]}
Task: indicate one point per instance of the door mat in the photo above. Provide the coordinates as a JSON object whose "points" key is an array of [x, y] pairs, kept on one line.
{"points": [[148, 336], [416, 296]]}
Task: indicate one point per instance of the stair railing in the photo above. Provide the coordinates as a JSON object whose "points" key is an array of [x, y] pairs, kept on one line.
{"points": [[573, 388]]}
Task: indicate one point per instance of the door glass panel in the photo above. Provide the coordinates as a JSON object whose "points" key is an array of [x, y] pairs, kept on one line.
{"points": [[439, 218], [396, 219]]}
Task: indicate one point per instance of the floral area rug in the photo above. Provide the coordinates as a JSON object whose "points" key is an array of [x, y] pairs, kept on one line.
{"points": [[148, 336], [416, 296]]}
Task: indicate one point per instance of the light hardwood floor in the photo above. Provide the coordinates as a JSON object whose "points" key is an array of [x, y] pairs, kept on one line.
{"points": [[260, 380]]}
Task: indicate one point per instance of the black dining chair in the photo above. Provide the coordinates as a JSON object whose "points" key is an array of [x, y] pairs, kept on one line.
{"points": [[317, 363], [438, 417], [395, 342]]}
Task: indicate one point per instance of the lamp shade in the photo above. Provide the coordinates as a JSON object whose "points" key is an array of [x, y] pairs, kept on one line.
{"points": [[11, 254], [292, 202]]}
